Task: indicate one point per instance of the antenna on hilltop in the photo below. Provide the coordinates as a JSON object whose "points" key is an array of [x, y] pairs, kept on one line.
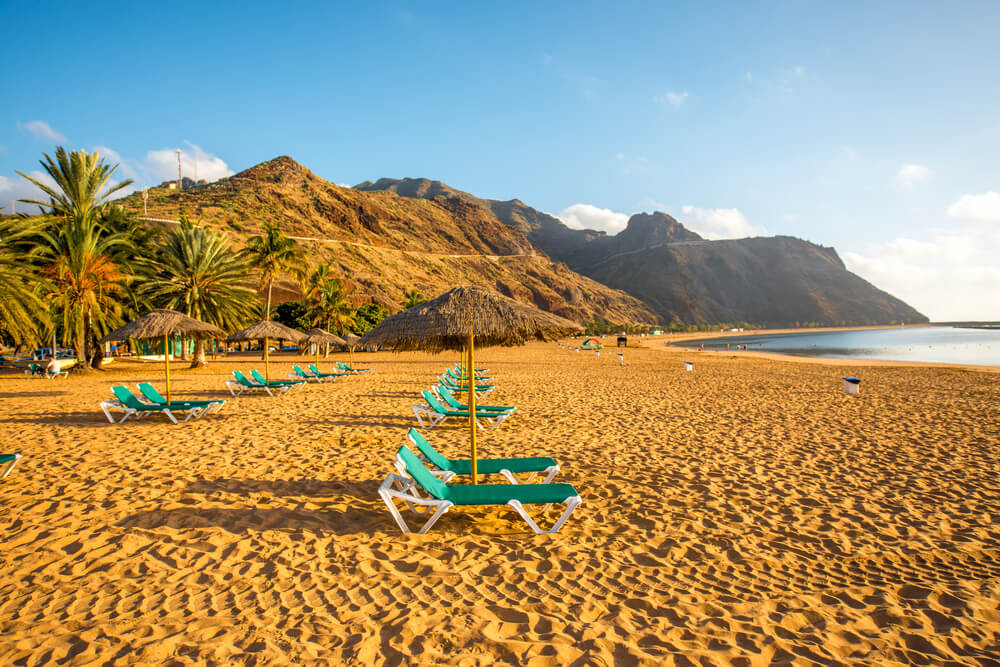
{"points": [[179, 181]]}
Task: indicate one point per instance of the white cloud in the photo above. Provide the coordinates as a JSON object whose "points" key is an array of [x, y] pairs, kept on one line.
{"points": [[161, 165], [977, 208], [951, 277], [586, 216], [719, 223], [671, 98], [912, 174], [16, 187], [42, 131]]}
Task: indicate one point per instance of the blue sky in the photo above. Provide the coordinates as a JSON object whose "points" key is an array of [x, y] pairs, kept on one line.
{"points": [[873, 128]]}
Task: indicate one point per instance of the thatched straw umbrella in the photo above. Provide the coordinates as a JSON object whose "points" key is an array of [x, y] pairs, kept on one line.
{"points": [[318, 336], [464, 317], [163, 323], [351, 341], [266, 330]]}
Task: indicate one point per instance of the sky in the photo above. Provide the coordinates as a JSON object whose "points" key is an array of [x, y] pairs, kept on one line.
{"points": [[870, 127]]}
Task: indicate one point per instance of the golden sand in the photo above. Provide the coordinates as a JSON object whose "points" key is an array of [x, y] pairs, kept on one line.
{"points": [[745, 513]]}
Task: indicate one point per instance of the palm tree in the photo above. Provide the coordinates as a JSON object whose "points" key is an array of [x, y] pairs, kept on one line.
{"points": [[82, 182], [85, 260], [197, 272], [271, 254], [89, 278], [411, 299], [331, 307], [21, 309]]}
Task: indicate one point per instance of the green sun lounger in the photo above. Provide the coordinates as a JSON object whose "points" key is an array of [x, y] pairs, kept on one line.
{"points": [[242, 384], [465, 378], [348, 369], [299, 375], [132, 407], [332, 376], [7, 463], [452, 402], [483, 389], [39, 371], [150, 393], [442, 497], [448, 468], [293, 384], [437, 413]]}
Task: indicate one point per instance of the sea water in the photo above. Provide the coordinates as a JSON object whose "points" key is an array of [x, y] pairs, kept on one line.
{"points": [[940, 344]]}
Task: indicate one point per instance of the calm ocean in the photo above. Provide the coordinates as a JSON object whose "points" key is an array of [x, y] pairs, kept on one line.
{"points": [[944, 344]]}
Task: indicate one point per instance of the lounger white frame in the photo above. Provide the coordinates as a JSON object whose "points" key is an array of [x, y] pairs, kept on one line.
{"points": [[396, 486], [434, 417], [108, 406], [10, 465]]}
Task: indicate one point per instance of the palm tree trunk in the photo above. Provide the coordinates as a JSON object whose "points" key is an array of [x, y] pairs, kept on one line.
{"points": [[199, 354], [80, 347], [267, 306]]}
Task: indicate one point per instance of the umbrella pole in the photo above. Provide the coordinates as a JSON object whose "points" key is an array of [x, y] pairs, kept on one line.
{"points": [[472, 410], [267, 361], [166, 364], [350, 353], [317, 355]]}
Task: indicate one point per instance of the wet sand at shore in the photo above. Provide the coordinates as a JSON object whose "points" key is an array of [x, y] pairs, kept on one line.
{"points": [[744, 513]]}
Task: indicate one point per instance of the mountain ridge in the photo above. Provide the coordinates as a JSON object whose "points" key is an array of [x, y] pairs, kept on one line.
{"points": [[772, 281]]}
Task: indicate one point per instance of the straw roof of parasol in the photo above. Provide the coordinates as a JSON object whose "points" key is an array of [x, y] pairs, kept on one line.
{"points": [[162, 322], [444, 323], [267, 329], [351, 338], [320, 336]]}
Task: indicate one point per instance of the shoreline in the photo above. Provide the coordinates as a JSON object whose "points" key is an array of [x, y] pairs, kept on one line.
{"points": [[823, 361]]}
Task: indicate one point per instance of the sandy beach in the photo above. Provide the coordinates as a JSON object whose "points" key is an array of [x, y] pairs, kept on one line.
{"points": [[746, 513]]}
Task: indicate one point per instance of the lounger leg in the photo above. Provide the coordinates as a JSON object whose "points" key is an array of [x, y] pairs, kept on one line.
{"points": [[170, 415], [551, 472], [571, 504], [416, 413], [9, 468]]}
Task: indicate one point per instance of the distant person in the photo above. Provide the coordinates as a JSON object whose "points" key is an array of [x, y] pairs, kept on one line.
{"points": [[52, 366]]}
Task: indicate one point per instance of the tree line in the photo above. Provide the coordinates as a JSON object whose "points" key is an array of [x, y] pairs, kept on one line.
{"points": [[85, 266]]}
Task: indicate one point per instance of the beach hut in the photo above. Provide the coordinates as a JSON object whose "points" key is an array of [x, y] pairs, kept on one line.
{"points": [[161, 324], [265, 330], [465, 317]]}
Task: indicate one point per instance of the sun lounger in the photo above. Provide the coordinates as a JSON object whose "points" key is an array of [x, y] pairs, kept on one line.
{"points": [[482, 390], [297, 374], [437, 413], [243, 384], [291, 384], [460, 378], [441, 497], [448, 468], [154, 397], [333, 377], [7, 463], [133, 407], [450, 400], [348, 369]]}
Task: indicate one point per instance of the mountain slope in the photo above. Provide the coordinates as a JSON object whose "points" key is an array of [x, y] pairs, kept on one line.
{"points": [[385, 244], [774, 281]]}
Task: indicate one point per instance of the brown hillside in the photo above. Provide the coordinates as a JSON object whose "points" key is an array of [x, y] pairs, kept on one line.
{"points": [[386, 244]]}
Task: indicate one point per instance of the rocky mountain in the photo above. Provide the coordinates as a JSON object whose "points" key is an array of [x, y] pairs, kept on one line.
{"points": [[386, 244], [775, 281]]}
